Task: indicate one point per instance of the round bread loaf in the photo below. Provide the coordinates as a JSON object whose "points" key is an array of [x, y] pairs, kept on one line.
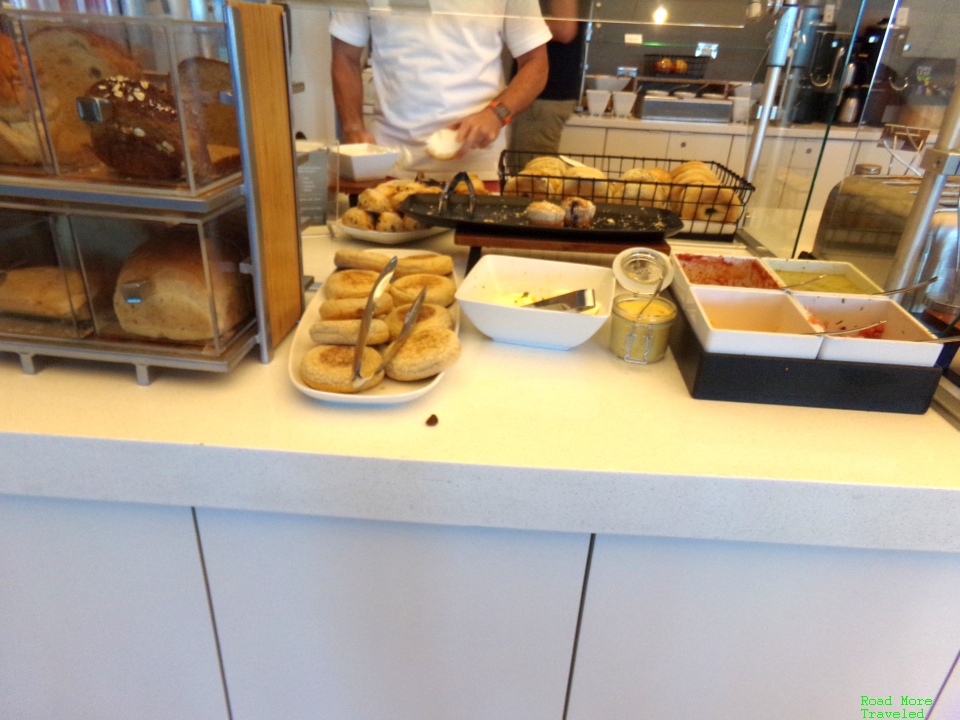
{"points": [[547, 164], [430, 316], [330, 368], [360, 260], [431, 263], [688, 165], [347, 332], [350, 283], [443, 144], [20, 142], [68, 61], [425, 353], [353, 307], [440, 289]]}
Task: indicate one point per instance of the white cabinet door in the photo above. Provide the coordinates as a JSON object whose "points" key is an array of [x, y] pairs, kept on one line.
{"points": [[696, 146], [725, 631], [104, 614], [583, 140], [358, 620], [637, 143]]}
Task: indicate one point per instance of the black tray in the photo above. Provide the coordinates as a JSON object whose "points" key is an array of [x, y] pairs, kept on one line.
{"points": [[807, 383], [497, 215]]}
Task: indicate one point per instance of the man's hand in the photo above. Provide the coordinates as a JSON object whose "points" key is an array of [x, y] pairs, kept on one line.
{"points": [[477, 131]]}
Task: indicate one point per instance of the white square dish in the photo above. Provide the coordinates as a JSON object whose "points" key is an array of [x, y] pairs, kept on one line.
{"points": [[841, 277], [364, 161], [738, 321], [900, 338], [490, 293]]}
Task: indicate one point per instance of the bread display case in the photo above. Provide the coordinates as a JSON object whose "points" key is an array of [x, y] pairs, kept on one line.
{"points": [[136, 223]]}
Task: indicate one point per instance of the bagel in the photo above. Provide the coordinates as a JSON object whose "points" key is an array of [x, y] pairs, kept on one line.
{"points": [[347, 332], [426, 352], [695, 177], [357, 218], [430, 263], [586, 182], [430, 316], [649, 187], [330, 368], [353, 307], [691, 179], [440, 289], [688, 165], [374, 201], [360, 260], [350, 283], [709, 203]]}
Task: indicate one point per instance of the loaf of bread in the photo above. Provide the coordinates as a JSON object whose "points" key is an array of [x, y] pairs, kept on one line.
{"points": [[202, 81], [20, 142], [67, 61], [175, 301], [44, 292]]}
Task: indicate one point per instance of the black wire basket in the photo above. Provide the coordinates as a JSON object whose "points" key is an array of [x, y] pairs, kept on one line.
{"points": [[709, 198]]}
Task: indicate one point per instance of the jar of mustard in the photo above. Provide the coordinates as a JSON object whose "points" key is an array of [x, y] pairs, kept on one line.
{"points": [[641, 338]]}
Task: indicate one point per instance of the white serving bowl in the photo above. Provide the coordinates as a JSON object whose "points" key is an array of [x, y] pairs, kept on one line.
{"points": [[898, 345], [845, 277], [610, 83], [741, 321], [363, 161], [490, 290]]}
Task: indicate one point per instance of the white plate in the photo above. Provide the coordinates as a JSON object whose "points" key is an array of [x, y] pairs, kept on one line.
{"points": [[387, 238], [388, 392]]}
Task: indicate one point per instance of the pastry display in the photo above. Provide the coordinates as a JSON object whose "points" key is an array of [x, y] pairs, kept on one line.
{"points": [[20, 137], [428, 350], [378, 208]]}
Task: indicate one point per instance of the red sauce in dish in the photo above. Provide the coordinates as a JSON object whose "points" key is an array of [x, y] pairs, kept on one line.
{"points": [[729, 272]]}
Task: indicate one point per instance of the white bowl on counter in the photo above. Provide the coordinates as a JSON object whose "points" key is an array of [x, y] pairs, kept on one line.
{"points": [[365, 161], [739, 321], [898, 342], [841, 277], [491, 293]]}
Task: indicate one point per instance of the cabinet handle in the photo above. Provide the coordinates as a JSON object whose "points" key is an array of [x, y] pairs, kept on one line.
{"points": [[683, 144]]}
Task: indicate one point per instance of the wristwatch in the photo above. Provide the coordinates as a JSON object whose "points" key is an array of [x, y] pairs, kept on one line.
{"points": [[501, 111]]}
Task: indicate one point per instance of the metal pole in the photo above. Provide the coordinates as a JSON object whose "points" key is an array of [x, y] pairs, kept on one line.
{"points": [[937, 164], [779, 52]]}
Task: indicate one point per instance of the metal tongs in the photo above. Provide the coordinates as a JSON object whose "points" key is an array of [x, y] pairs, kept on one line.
{"points": [[379, 287], [575, 301], [461, 176], [409, 320]]}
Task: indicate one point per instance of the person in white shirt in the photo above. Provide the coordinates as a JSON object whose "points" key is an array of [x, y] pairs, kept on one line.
{"points": [[439, 69]]}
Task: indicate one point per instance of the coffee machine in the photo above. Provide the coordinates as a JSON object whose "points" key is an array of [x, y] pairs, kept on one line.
{"points": [[825, 75]]}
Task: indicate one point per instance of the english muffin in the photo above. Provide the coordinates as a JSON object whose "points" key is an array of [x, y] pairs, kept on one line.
{"points": [[350, 283], [352, 308], [431, 263], [430, 316], [347, 332], [360, 260], [425, 353], [330, 368], [440, 289]]}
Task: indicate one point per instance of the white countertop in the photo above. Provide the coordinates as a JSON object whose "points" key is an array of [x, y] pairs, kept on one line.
{"points": [[533, 439]]}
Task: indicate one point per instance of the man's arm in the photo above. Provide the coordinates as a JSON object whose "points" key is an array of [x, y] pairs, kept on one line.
{"points": [[560, 17], [345, 73], [482, 128]]}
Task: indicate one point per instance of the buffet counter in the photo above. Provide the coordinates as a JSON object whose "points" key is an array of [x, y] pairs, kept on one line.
{"points": [[527, 439]]}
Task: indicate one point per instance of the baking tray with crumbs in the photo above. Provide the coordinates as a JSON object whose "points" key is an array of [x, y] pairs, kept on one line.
{"points": [[497, 215]]}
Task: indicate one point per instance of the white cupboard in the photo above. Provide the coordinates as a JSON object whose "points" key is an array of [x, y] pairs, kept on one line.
{"points": [[724, 631], [360, 620], [104, 614]]}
